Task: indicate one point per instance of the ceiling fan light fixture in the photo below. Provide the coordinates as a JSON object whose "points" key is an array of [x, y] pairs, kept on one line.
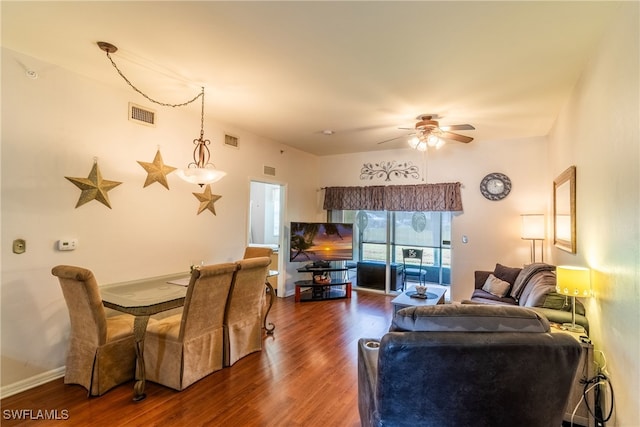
{"points": [[417, 144], [433, 141]]}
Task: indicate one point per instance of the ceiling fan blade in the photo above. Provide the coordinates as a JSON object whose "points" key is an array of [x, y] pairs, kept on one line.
{"points": [[456, 137], [457, 127], [392, 139]]}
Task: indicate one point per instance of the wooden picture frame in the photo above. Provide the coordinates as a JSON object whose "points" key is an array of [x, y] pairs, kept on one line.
{"points": [[564, 210]]}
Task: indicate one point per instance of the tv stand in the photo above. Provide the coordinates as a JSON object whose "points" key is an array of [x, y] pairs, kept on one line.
{"points": [[318, 264], [320, 289]]}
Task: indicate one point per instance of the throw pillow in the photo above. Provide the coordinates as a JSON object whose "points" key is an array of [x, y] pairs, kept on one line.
{"points": [[557, 302], [496, 286], [508, 274]]}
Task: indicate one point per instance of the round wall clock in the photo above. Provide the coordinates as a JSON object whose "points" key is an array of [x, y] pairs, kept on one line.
{"points": [[495, 186]]}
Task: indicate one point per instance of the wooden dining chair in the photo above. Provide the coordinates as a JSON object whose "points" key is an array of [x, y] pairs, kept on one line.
{"points": [[183, 348], [243, 317], [101, 351]]}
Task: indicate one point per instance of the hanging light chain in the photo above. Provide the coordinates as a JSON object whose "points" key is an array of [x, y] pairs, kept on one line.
{"points": [[201, 154], [201, 94]]}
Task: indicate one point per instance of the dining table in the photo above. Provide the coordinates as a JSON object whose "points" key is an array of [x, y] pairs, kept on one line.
{"points": [[142, 299]]}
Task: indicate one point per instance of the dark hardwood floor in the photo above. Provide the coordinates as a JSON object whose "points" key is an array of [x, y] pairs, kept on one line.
{"points": [[305, 375]]}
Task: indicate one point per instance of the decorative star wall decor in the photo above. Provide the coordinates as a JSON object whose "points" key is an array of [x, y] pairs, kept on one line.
{"points": [[94, 187], [207, 200], [157, 171]]}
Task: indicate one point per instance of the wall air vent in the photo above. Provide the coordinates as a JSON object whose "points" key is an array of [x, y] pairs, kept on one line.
{"points": [[142, 115], [231, 141], [269, 170]]}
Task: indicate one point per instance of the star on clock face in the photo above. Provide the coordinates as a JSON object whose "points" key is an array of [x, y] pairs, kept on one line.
{"points": [[94, 187], [207, 200], [157, 171]]}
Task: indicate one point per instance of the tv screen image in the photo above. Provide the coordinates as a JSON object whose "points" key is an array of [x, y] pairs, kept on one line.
{"points": [[321, 241]]}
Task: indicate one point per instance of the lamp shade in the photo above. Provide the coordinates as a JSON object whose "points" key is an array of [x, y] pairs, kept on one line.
{"points": [[573, 281], [201, 176], [532, 227]]}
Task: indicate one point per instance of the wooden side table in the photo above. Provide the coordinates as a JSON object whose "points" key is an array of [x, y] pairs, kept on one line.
{"points": [[586, 370]]}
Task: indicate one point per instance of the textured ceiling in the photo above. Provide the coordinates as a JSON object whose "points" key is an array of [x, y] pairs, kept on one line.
{"points": [[289, 70]]}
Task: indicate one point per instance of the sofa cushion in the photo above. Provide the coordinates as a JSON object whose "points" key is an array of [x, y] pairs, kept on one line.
{"points": [[468, 317], [496, 286], [486, 298], [523, 277], [508, 274], [562, 302]]}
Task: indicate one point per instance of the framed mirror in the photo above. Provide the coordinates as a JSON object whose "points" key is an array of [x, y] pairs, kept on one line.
{"points": [[564, 210]]}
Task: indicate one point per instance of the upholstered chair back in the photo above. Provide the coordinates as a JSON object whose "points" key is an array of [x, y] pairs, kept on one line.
{"points": [[183, 348], [243, 319], [257, 252], [205, 300], [101, 352], [81, 294]]}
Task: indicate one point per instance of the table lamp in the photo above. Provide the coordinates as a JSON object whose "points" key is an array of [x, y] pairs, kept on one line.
{"points": [[573, 282], [533, 229]]}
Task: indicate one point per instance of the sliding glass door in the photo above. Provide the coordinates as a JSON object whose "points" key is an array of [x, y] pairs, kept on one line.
{"points": [[382, 232]]}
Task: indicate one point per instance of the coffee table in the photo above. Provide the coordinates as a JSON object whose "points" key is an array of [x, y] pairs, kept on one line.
{"points": [[435, 296]]}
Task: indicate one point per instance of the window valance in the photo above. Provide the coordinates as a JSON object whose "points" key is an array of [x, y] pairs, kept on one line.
{"points": [[421, 197]]}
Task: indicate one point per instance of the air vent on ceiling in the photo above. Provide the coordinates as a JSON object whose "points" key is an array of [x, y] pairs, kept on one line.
{"points": [[269, 170], [142, 115], [230, 141]]}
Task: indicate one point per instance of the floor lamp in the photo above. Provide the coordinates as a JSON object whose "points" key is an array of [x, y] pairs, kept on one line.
{"points": [[573, 282], [533, 229]]}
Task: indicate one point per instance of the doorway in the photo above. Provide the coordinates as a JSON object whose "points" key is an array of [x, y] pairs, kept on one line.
{"points": [[266, 223]]}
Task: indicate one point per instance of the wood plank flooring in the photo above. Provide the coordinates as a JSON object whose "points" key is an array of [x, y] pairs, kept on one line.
{"points": [[305, 375]]}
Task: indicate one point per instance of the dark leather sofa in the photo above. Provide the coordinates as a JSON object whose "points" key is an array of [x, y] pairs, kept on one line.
{"points": [[459, 365]]}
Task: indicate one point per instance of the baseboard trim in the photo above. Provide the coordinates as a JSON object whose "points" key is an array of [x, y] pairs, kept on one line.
{"points": [[29, 383]]}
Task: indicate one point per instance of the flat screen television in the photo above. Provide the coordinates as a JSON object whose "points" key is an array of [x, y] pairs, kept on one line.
{"points": [[321, 242]]}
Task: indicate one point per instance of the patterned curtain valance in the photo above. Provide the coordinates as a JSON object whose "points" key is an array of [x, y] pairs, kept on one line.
{"points": [[422, 197]]}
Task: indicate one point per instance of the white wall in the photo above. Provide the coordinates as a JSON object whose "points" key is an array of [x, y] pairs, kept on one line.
{"points": [[492, 227], [53, 127], [599, 132]]}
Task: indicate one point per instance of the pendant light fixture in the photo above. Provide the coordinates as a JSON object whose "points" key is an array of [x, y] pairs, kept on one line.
{"points": [[201, 171]]}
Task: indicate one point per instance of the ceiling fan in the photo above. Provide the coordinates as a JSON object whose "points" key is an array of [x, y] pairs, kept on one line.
{"points": [[428, 133]]}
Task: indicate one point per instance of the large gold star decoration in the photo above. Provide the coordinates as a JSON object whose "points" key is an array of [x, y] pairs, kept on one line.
{"points": [[94, 187], [207, 200], [157, 171]]}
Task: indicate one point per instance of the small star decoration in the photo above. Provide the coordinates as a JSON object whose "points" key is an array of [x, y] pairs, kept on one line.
{"points": [[94, 187], [157, 171], [207, 200]]}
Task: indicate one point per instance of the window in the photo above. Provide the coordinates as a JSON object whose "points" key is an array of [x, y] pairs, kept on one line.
{"points": [[382, 231]]}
